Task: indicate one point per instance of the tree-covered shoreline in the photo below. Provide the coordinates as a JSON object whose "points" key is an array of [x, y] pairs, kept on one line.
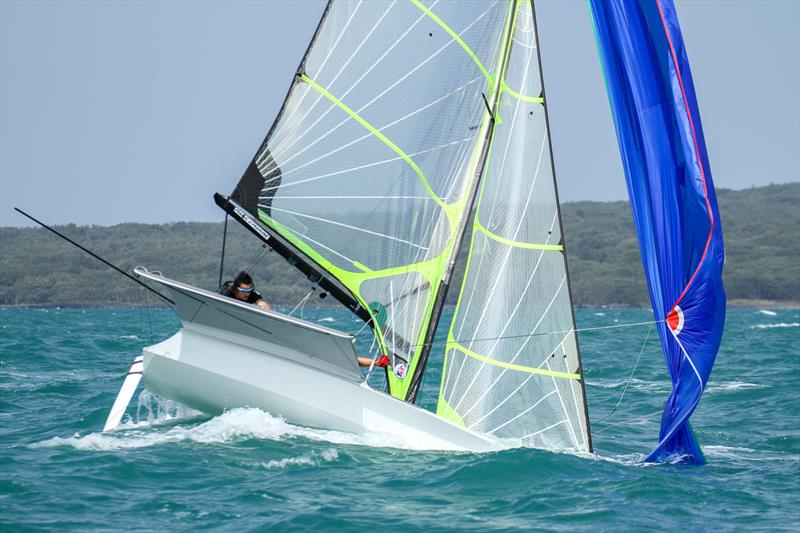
{"points": [[761, 227]]}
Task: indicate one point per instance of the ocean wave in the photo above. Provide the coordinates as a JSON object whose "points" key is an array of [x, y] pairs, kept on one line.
{"points": [[34, 381], [732, 386], [234, 425], [129, 337], [778, 325], [327, 319], [727, 452], [766, 312]]}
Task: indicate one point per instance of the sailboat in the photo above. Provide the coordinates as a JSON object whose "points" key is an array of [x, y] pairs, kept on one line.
{"points": [[408, 126]]}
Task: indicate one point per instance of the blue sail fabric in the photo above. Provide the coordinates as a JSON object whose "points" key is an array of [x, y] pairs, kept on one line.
{"points": [[672, 198]]}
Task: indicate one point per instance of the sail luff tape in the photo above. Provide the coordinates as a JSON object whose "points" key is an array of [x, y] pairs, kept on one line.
{"points": [[511, 366], [516, 244], [372, 129]]}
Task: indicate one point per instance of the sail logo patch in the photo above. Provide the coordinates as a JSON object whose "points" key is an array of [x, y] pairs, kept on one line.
{"points": [[249, 221], [675, 320], [400, 370]]}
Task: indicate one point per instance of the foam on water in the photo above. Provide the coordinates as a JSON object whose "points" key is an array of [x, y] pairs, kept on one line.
{"points": [[727, 452], [778, 325], [712, 388], [307, 459], [766, 312], [234, 425]]}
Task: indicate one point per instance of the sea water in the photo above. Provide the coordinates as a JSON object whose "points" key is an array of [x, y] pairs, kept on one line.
{"points": [[170, 468]]}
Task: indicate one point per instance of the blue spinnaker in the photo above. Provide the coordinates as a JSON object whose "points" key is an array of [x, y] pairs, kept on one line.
{"points": [[672, 198]]}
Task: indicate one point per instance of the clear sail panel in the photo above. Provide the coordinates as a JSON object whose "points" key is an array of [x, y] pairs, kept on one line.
{"points": [[512, 366], [369, 163]]}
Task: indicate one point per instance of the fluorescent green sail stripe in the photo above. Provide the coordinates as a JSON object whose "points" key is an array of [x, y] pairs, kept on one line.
{"points": [[458, 39], [398, 385], [519, 368], [361, 266], [444, 410], [515, 244], [524, 97], [448, 209], [431, 270]]}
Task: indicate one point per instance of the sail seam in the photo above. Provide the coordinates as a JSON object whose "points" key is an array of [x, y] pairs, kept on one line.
{"points": [[301, 120], [349, 226], [377, 134], [523, 413], [459, 40], [529, 435], [319, 71], [497, 379], [564, 407], [512, 366]]}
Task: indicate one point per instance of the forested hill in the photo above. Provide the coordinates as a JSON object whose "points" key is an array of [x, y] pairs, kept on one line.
{"points": [[761, 228]]}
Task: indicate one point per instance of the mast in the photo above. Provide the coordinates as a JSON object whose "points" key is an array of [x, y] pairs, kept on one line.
{"points": [[441, 295], [561, 228]]}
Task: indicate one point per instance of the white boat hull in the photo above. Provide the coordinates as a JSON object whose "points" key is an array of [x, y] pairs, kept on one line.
{"points": [[214, 369]]}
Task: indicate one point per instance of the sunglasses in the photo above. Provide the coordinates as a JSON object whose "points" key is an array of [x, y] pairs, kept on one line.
{"points": [[241, 289]]}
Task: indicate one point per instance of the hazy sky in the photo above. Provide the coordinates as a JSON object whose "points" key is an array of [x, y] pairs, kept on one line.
{"points": [[139, 111]]}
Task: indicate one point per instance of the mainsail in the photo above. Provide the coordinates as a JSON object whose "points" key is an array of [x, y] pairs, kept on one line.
{"points": [[367, 175], [366, 181], [512, 364], [672, 198]]}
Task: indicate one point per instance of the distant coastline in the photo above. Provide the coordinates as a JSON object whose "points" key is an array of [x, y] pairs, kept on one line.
{"points": [[761, 228]]}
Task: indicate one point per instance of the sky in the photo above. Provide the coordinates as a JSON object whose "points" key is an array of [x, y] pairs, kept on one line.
{"points": [[116, 112]]}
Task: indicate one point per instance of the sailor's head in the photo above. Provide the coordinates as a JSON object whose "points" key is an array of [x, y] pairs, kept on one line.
{"points": [[243, 285]]}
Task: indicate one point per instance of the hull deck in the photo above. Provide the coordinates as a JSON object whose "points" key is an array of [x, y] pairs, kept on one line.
{"points": [[230, 354]]}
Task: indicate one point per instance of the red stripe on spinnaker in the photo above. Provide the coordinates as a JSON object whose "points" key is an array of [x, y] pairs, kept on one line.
{"points": [[696, 149]]}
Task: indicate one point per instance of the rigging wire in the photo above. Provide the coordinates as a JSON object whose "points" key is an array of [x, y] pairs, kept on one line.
{"points": [[256, 258], [147, 315], [630, 377], [575, 330], [222, 254], [628, 421], [363, 327], [302, 303], [374, 358]]}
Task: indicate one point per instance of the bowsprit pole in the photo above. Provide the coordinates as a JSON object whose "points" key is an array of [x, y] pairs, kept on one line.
{"points": [[45, 226]]}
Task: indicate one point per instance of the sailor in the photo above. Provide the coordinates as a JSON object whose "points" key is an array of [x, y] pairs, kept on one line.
{"points": [[242, 289], [381, 361]]}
